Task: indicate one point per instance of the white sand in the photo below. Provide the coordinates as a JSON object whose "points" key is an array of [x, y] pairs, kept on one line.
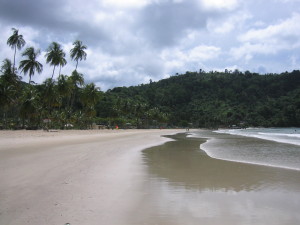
{"points": [[77, 177]]}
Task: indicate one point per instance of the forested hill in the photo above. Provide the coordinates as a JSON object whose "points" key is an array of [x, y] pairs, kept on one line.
{"points": [[213, 99]]}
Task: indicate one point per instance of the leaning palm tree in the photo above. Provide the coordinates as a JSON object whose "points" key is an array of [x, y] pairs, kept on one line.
{"points": [[55, 56], [31, 65], [16, 41], [77, 53]]}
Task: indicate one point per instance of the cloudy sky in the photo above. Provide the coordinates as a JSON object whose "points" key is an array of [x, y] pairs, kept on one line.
{"points": [[132, 41]]}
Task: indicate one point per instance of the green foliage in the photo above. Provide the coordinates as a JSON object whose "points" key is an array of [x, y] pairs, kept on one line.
{"points": [[30, 65], [15, 41], [65, 102], [77, 53], [55, 56], [194, 99], [212, 99]]}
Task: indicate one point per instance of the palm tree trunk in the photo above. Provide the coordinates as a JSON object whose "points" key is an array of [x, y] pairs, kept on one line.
{"points": [[59, 69], [53, 73], [76, 64], [14, 59]]}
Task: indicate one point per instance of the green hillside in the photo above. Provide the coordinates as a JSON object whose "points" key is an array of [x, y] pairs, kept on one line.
{"points": [[213, 99]]}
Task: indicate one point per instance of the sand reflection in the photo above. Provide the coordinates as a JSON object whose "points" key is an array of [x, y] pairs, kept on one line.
{"points": [[182, 163]]}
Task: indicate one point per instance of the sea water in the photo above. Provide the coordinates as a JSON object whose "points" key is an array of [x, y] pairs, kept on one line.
{"points": [[184, 185], [281, 135], [276, 147]]}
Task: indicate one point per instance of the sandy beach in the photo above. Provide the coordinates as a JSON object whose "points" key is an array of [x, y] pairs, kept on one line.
{"points": [[77, 177], [134, 177]]}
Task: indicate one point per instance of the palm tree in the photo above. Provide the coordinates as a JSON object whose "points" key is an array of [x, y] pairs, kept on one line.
{"points": [[31, 65], [62, 63], [55, 56], [64, 89], [16, 41], [78, 53], [8, 73], [30, 105], [76, 79], [90, 95], [9, 88]]}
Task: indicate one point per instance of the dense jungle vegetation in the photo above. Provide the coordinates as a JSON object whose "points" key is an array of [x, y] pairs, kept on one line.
{"points": [[194, 99], [212, 99]]}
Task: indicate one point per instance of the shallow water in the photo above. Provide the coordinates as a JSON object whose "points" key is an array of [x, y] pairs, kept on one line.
{"points": [[257, 146], [186, 186], [281, 135]]}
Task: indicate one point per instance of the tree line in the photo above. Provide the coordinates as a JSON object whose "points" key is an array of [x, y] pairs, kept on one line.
{"points": [[194, 99], [209, 99], [56, 103]]}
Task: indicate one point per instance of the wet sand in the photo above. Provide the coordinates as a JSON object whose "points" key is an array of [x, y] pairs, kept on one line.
{"points": [[76, 177], [106, 177], [189, 187]]}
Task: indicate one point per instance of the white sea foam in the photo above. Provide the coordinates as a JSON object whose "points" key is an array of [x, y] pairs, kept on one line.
{"points": [[210, 154], [283, 135], [282, 151]]}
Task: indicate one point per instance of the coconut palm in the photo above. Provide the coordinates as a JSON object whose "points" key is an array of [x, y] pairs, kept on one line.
{"points": [[62, 63], [90, 95], [8, 73], [9, 88], [30, 105], [64, 88], [77, 53], [16, 41], [76, 80], [55, 56], [31, 65]]}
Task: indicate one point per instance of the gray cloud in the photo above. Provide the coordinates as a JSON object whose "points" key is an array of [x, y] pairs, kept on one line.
{"points": [[31, 12], [131, 44], [166, 23]]}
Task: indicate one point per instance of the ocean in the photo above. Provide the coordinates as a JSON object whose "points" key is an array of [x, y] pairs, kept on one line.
{"points": [[248, 176], [274, 147]]}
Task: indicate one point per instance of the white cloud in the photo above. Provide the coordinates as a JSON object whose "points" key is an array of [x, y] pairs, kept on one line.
{"points": [[248, 50], [219, 4], [287, 28], [183, 60], [269, 40], [223, 26], [203, 53], [198, 53], [126, 4], [287, 1]]}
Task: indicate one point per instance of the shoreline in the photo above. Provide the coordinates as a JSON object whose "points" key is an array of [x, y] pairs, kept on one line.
{"points": [[190, 187], [135, 177], [76, 177], [254, 143], [21, 138]]}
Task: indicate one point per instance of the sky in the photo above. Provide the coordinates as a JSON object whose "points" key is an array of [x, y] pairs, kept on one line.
{"points": [[132, 41]]}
